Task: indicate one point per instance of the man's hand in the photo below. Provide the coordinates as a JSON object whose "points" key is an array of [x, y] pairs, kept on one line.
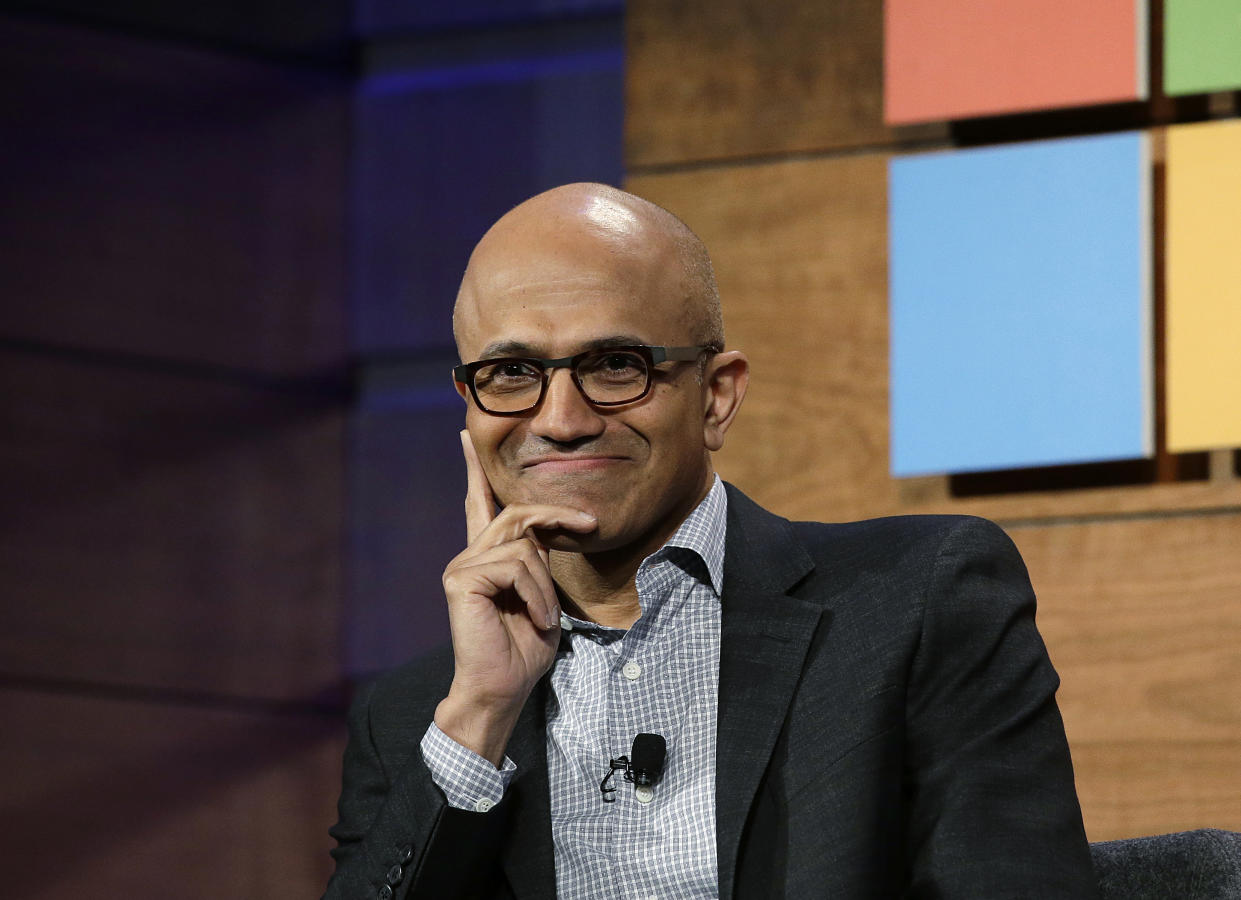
{"points": [[503, 612]]}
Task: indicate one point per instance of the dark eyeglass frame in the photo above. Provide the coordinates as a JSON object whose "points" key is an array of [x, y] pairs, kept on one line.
{"points": [[652, 355]]}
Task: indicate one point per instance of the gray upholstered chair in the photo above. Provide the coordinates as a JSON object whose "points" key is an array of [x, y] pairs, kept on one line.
{"points": [[1189, 865]]}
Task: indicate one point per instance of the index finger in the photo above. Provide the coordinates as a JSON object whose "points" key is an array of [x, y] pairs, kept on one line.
{"points": [[480, 504]]}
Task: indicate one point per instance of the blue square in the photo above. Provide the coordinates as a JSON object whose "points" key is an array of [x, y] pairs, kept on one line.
{"points": [[1020, 305]]}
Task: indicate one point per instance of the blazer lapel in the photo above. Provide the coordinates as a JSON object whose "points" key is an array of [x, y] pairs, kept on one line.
{"points": [[764, 635], [528, 857]]}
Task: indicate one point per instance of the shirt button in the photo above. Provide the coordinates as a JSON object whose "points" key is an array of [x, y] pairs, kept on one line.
{"points": [[631, 670], [644, 794], [482, 804], [566, 624]]}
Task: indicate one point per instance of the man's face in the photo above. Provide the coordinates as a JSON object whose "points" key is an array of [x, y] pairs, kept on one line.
{"points": [[638, 468]]}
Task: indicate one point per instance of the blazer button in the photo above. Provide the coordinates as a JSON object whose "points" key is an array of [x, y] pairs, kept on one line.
{"points": [[394, 876], [385, 893], [407, 853]]}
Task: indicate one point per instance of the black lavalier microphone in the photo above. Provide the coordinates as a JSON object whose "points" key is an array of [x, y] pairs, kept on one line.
{"points": [[642, 767], [646, 760]]}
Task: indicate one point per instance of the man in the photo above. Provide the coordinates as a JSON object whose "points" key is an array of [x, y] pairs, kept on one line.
{"points": [[860, 710]]}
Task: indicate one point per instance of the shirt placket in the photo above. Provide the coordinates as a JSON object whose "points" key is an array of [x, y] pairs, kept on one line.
{"points": [[636, 705]]}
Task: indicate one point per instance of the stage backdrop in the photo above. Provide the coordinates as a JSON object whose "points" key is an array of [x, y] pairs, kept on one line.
{"points": [[762, 125]]}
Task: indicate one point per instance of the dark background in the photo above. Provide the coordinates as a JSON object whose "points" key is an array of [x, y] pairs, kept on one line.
{"points": [[229, 474]]}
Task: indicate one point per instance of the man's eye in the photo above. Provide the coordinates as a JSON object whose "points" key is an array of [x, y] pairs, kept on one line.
{"points": [[506, 376], [616, 364]]}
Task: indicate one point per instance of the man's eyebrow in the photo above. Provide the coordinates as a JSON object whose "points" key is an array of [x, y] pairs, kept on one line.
{"points": [[517, 348], [507, 348]]}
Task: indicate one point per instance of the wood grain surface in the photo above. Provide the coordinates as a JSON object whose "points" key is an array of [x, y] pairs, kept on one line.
{"points": [[1143, 621], [749, 77], [1133, 790], [799, 254], [1143, 617]]}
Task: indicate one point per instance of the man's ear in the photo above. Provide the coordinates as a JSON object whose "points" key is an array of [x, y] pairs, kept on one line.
{"points": [[724, 382], [462, 390]]}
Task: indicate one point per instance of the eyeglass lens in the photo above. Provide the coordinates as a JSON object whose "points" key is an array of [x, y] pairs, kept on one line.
{"points": [[609, 376]]}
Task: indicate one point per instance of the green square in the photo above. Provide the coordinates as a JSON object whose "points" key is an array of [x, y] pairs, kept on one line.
{"points": [[1201, 46]]}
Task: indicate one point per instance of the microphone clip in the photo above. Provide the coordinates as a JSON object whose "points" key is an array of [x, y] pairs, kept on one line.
{"points": [[644, 770], [620, 764]]}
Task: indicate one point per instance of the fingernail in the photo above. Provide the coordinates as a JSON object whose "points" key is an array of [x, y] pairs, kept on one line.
{"points": [[553, 619], [586, 517]]}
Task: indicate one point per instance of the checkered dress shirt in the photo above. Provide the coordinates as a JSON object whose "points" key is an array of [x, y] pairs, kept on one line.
{"points": [[607, 686]]}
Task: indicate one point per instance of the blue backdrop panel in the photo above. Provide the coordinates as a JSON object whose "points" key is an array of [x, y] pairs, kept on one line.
{"points": [[406, 485], [449, 131], [1020, 310], [372, 16], [447, 141]]}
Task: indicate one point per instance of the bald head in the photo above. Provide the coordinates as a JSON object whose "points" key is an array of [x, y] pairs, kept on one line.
{"points": [[645, 246]]}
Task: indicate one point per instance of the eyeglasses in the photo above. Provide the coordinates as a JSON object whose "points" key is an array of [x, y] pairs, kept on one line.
{"points": [[610, 376]]}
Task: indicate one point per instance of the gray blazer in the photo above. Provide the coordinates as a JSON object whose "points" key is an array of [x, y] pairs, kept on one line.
{"points": [[887, 727]]}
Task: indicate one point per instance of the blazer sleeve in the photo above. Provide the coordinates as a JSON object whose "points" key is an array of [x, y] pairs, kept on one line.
{"points": [[396, 834], [993, 810]]}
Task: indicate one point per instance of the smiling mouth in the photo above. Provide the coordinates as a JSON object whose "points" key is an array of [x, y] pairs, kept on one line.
{"points": [[571, 463]]}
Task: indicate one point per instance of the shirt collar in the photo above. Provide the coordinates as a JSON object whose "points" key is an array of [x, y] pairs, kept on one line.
{"points": [[703, 533]]}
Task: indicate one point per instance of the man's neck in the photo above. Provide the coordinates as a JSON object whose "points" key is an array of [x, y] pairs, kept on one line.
{"points": [[602, 587], [598, 588]]}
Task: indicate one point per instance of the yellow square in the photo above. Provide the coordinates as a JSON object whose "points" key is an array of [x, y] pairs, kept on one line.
{"points": [[1203, 338]]}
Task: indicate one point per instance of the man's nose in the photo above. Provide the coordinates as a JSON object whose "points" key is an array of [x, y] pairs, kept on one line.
{"points": [[565, 415]]}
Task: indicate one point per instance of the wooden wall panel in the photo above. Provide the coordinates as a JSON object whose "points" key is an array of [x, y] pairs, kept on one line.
{"points": [[746, 118], [1142, 618], [800, 251], [1146, 615], [799, 254], [1132, 790], [1142, 613], [711, 80], [168, 531], [111, 798]]}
